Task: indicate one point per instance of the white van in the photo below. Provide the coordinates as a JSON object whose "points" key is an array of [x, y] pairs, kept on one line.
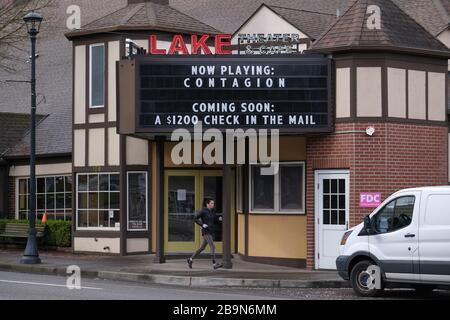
{"points": [[406, 240]]}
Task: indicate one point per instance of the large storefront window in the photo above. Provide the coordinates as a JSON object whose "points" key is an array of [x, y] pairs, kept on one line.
{"points": [[53, 197], [98, 201], [137, 201], [283, 192]]}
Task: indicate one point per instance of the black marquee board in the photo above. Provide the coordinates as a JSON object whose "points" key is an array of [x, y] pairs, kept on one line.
{"points": [[289, 93]]}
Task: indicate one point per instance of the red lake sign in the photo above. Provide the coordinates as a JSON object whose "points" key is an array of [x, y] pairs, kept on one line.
{"points": [[199, 45]]}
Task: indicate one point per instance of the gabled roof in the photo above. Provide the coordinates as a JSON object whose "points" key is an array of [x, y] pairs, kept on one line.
{"points": [[398, 32], [229, 15], [53, 137], [433, 15], [145, 16], [54, 79], [312, 23], [13, 126]]}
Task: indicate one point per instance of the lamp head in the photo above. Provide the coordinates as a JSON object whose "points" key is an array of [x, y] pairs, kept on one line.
{"points": [[33, 22]]}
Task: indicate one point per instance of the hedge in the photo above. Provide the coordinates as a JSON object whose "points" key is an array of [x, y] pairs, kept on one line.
{"points": [[57, 234]]}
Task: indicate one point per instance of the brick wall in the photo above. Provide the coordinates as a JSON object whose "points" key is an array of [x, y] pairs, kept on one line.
{"points": [[397, 156], [12, 198]]}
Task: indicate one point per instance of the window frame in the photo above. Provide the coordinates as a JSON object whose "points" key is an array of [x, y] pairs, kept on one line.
{"points": [[90, 75], [77, 228], [277, 187], [67, 210], [373, 218], [146, 200]]}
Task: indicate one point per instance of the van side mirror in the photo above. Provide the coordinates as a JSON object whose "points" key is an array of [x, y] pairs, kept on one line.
{"points": [[367, 224]]}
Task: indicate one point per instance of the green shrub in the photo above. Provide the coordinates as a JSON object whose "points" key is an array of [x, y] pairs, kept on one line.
{"points": [[58, 233]]}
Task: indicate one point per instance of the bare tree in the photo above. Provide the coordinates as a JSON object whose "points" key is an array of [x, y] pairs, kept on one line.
{"points": [[13, 29]]}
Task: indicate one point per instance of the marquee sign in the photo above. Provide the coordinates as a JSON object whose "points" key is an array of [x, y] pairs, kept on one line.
{"points": [[290, 93]]}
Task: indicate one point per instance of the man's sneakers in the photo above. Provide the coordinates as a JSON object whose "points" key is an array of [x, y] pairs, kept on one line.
{"points": [[189, 261], [217, 266]]}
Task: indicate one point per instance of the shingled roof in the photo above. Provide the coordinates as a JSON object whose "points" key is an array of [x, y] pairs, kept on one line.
{"points": [[398, 32], [312, 23], [145, 16], [433, 15], [13, 126], [54, 79]]}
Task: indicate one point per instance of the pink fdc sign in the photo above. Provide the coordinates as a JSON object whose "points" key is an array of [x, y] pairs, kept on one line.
{"points": [[369, 199]]}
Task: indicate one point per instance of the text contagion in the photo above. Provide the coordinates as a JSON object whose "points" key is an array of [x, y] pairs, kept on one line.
{"points": [[227, 77]]}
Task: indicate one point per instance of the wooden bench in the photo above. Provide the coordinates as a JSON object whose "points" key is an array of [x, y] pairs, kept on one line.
{"points": [[20, 231]]}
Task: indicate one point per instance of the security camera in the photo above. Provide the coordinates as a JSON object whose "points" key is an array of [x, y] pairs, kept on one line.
{"points": [[370, 131]]}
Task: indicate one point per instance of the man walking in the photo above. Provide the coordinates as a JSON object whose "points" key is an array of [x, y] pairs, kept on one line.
{"points": [[207, 220]]}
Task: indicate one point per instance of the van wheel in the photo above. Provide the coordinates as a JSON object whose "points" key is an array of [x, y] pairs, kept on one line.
{"points": [[363, 282]]}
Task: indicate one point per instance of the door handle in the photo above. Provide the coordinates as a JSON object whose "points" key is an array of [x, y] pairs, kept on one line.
{"points": [[410, 235]]}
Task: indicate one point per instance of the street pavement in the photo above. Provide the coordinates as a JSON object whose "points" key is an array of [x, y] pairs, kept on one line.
{"points": [[142, 268], [21, 286]]}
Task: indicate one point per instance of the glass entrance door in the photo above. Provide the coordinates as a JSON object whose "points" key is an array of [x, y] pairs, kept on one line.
{"points": [[184, 197], [181, 209]]}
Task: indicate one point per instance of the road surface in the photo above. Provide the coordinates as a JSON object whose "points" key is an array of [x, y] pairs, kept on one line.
{"points": [[33, 286]]}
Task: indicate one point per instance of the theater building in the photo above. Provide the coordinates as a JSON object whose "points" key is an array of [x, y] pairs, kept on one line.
{"points": [[361, 112]]}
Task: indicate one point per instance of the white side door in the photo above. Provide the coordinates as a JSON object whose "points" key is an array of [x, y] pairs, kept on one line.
{"points": [[331, 215], [434, 237]]}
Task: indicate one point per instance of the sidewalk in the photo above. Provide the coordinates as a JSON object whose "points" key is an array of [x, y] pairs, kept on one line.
{"points": [[141, 268]]}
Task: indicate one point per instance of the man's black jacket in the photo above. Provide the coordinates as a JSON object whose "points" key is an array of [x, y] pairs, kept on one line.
{"points": [[209, 217]]}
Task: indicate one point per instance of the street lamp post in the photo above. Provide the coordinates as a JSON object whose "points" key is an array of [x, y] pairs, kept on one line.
{"points": [[31, 255]]}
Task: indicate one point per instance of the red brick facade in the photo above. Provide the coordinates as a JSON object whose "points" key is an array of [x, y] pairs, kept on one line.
{"points": [[397, 156]]}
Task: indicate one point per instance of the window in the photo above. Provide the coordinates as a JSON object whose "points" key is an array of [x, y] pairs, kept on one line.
{"points": [[283, 192], [137, 201], [98, 201], [395, 215], [437, 211], [239, 190], [53, 197], [97, 76], [334, 201]]}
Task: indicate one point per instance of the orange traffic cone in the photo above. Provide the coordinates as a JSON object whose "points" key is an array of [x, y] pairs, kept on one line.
{"points": [[44, 218]]}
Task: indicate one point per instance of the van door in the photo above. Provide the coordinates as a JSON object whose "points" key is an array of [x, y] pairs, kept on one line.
{"points": [[434, 237], [395, 243]]}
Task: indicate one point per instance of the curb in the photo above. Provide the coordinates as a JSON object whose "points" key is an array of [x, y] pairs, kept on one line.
{"points": [[184, 281]]}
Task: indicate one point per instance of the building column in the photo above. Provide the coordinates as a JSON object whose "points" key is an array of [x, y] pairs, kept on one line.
{"points": [[123, 195], [226, 204], [246, 194], [160, 257]]}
